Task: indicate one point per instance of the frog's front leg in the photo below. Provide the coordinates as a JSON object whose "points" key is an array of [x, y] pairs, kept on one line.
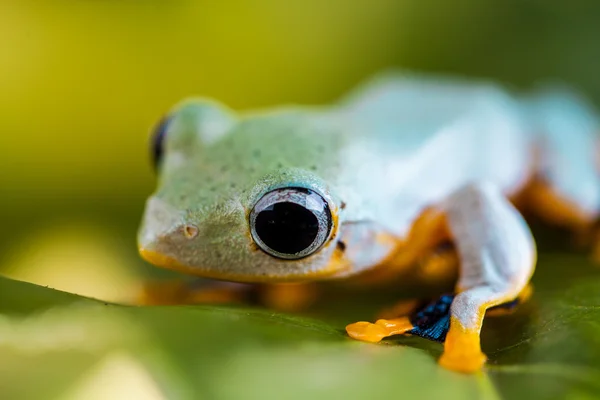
{"points": [[497, 258], [286, 297], [192, 291], [497, 254]]}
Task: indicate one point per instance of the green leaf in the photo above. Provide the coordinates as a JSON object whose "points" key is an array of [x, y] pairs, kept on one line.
{"points": [[58, 345]]}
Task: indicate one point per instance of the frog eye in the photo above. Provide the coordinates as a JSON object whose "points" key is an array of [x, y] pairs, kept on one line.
{"points": [[159, 134], [290, 223]]}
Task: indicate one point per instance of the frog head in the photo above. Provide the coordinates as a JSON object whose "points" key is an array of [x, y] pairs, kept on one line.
{"points": [[242, 199]]}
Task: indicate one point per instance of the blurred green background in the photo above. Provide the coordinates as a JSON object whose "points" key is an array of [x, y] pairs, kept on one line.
{"points": [[81, 83]]}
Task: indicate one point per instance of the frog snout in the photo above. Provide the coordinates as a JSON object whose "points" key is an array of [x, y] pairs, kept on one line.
{"points": [[161, 239], [160, 223], [165, 245]]}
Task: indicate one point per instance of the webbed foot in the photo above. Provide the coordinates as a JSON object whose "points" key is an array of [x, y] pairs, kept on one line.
{"points": [[462, 352], [430, 322]]}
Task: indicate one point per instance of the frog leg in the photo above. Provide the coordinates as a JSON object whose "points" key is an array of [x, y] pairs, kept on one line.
{"points": [[512, 306], [281, 297], [401, 308], [438, 265], [566, 189], [546, 202], [288, 297], [435, 266], [411, 306], [196, 291], [497, 255]]}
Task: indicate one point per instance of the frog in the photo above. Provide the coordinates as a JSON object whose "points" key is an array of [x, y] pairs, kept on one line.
{"points": [[404, 163]]}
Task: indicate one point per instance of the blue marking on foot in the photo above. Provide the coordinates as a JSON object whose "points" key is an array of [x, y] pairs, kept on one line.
{"points": [[433, 321]]}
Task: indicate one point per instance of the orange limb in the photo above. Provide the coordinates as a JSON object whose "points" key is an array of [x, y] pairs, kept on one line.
{"points": [[183, 292], [440, 265], [289, 297], [552, 208], [430, 229], [427, 232], [281, 297], [401, 308], [544, 202]]}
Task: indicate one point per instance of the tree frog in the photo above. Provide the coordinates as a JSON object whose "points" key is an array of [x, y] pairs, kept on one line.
{"points": [[402, 164]]}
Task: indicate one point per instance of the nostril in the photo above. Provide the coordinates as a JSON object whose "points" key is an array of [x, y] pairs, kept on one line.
{"points": [[190, 231]]}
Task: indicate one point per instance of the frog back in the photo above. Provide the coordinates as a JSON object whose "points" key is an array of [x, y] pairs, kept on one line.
{"points": [[419, 139]]}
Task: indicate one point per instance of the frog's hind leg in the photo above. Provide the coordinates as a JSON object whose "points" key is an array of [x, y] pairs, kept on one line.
{"points": [[566, 187], [497, 256]]}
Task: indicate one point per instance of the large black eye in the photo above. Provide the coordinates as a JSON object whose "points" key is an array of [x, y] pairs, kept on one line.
{"points": [[290, 223], [158, 140]]}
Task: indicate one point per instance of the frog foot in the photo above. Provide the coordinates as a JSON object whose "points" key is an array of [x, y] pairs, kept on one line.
{"points": [[430, 322], [374, 333], [462, 351], [465, 362]]}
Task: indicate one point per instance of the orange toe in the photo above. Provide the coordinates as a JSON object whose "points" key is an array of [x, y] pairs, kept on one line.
{"points": [[366, 332], [465, 362], [373, 333], [462, 350]]}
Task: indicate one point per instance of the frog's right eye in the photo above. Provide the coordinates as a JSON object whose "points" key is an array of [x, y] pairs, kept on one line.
{"points": [[291, 223], [158, 141]]}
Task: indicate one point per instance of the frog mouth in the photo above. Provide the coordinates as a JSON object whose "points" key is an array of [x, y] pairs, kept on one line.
{"points": [[337, 266], [164, 261]]}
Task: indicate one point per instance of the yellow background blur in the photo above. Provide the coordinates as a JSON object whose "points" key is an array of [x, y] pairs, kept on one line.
{"points": [[81, 83]]}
